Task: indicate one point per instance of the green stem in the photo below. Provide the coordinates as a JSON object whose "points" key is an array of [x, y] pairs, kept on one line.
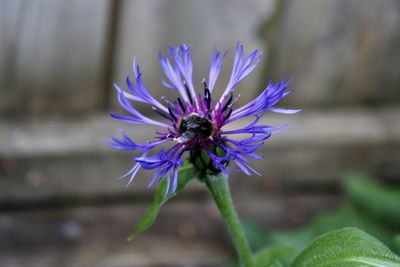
{"points": [[219, 189]]}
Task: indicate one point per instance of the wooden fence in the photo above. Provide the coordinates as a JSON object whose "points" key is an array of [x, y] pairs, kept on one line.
{"points": [[60, 204]]}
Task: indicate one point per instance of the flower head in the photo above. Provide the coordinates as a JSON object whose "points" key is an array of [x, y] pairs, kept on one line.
{"points": [[194, 122]]}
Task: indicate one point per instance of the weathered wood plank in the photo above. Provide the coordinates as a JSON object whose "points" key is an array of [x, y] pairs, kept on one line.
{"points": [[52, 55], [59, 160], [55, 136], [82, 179], [342, 52], [185, 233]]}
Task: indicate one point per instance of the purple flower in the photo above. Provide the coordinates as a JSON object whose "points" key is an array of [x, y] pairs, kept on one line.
{"points": [[194, 122]]}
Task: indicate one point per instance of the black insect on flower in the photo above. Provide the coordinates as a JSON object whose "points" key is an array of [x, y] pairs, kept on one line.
{"points": [[194, 122]]}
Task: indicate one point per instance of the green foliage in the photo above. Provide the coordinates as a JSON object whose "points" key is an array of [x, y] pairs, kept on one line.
{"points": [[255, 234], [273, 256], [186, 173], [346, 216], [397, 242], [348, 247], [364, 194], [276, 263], [371, 207]]}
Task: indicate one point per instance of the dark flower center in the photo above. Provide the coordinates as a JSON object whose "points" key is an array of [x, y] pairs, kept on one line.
{"points": [[194, 127]]}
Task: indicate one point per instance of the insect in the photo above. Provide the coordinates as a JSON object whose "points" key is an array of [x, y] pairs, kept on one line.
{"points": [[194, 127]]}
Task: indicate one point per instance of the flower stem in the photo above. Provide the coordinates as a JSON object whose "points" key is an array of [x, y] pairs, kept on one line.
{"points": [[219, 189]]}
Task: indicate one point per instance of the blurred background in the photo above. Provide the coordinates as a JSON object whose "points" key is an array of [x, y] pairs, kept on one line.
{"points": [[60, 202]]}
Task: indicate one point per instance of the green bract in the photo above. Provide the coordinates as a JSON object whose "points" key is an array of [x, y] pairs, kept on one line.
{"points": [[186, 173]]}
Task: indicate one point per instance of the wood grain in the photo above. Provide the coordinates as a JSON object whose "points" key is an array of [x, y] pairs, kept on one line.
{"points": [[54, 160], [339, 53], [147, 27], [52, 55]]}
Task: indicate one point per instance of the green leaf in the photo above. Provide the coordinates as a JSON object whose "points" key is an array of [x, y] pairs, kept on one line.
{"points": [[273, 256], [276, 264], [379, 218], [186, 173], [347, 247], [254, 233], [346, 216], [396, 241], [364, 192]]}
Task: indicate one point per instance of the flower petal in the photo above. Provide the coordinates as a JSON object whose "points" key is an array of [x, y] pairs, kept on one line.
{"points": [[264, 102], [137, 117], [285, 110], [241, 68], [215, 68]]}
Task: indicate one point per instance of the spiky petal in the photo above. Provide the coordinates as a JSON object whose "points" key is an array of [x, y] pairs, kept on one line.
{"points": [[194, 121]]}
